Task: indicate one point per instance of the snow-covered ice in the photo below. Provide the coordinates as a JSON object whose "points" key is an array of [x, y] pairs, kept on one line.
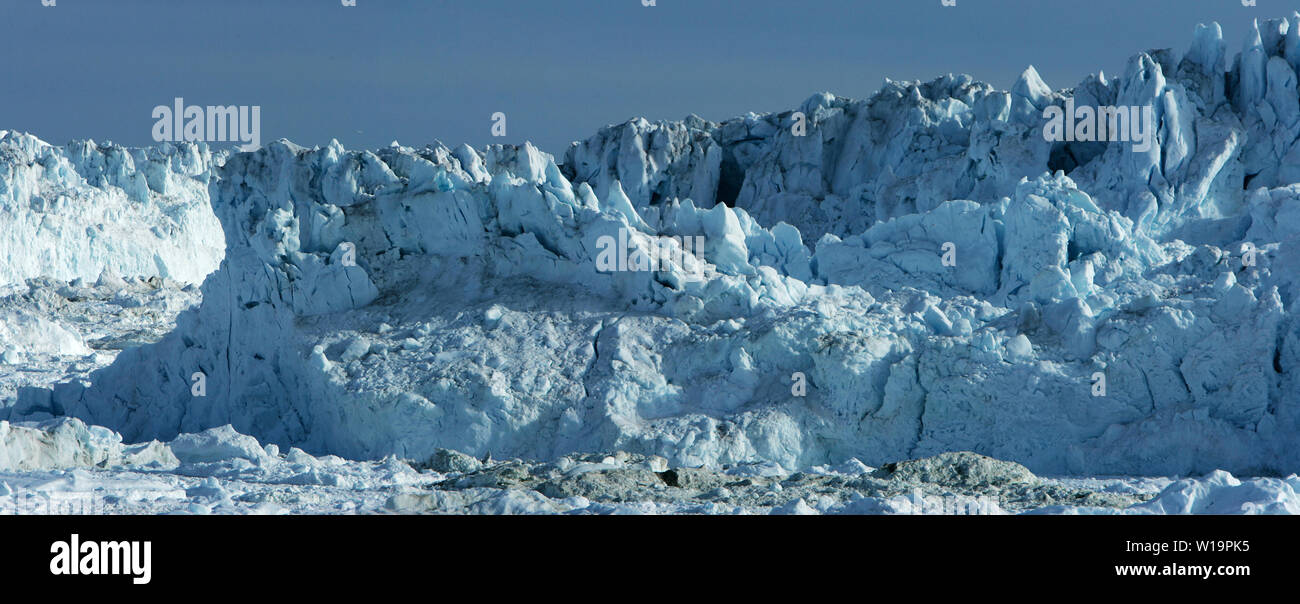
{"points": [[84, 210], [938, 274], [64, 466]]}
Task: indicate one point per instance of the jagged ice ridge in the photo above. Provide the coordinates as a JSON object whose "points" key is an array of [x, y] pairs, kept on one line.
{"points": [[476, 318]]}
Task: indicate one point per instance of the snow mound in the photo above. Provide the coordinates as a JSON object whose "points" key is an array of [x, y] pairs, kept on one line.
{"points": [[1215, 493], [1221, 493]]}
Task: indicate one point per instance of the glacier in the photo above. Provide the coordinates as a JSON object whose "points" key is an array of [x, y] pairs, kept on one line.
{"points": [[1108, 311], [80, 211]]}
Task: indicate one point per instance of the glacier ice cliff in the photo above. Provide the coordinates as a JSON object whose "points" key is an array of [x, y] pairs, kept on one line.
{"points": [[403, 300], [80, 211]]}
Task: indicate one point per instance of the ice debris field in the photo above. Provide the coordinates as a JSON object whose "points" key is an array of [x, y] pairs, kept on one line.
{"points": [[914, 303]]}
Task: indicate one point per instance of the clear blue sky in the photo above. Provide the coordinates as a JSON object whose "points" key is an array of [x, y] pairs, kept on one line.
{"points": [[419, 70]]}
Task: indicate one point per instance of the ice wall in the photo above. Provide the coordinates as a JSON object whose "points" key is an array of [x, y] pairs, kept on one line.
{"points": [[405, 299], [75, 212]]}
